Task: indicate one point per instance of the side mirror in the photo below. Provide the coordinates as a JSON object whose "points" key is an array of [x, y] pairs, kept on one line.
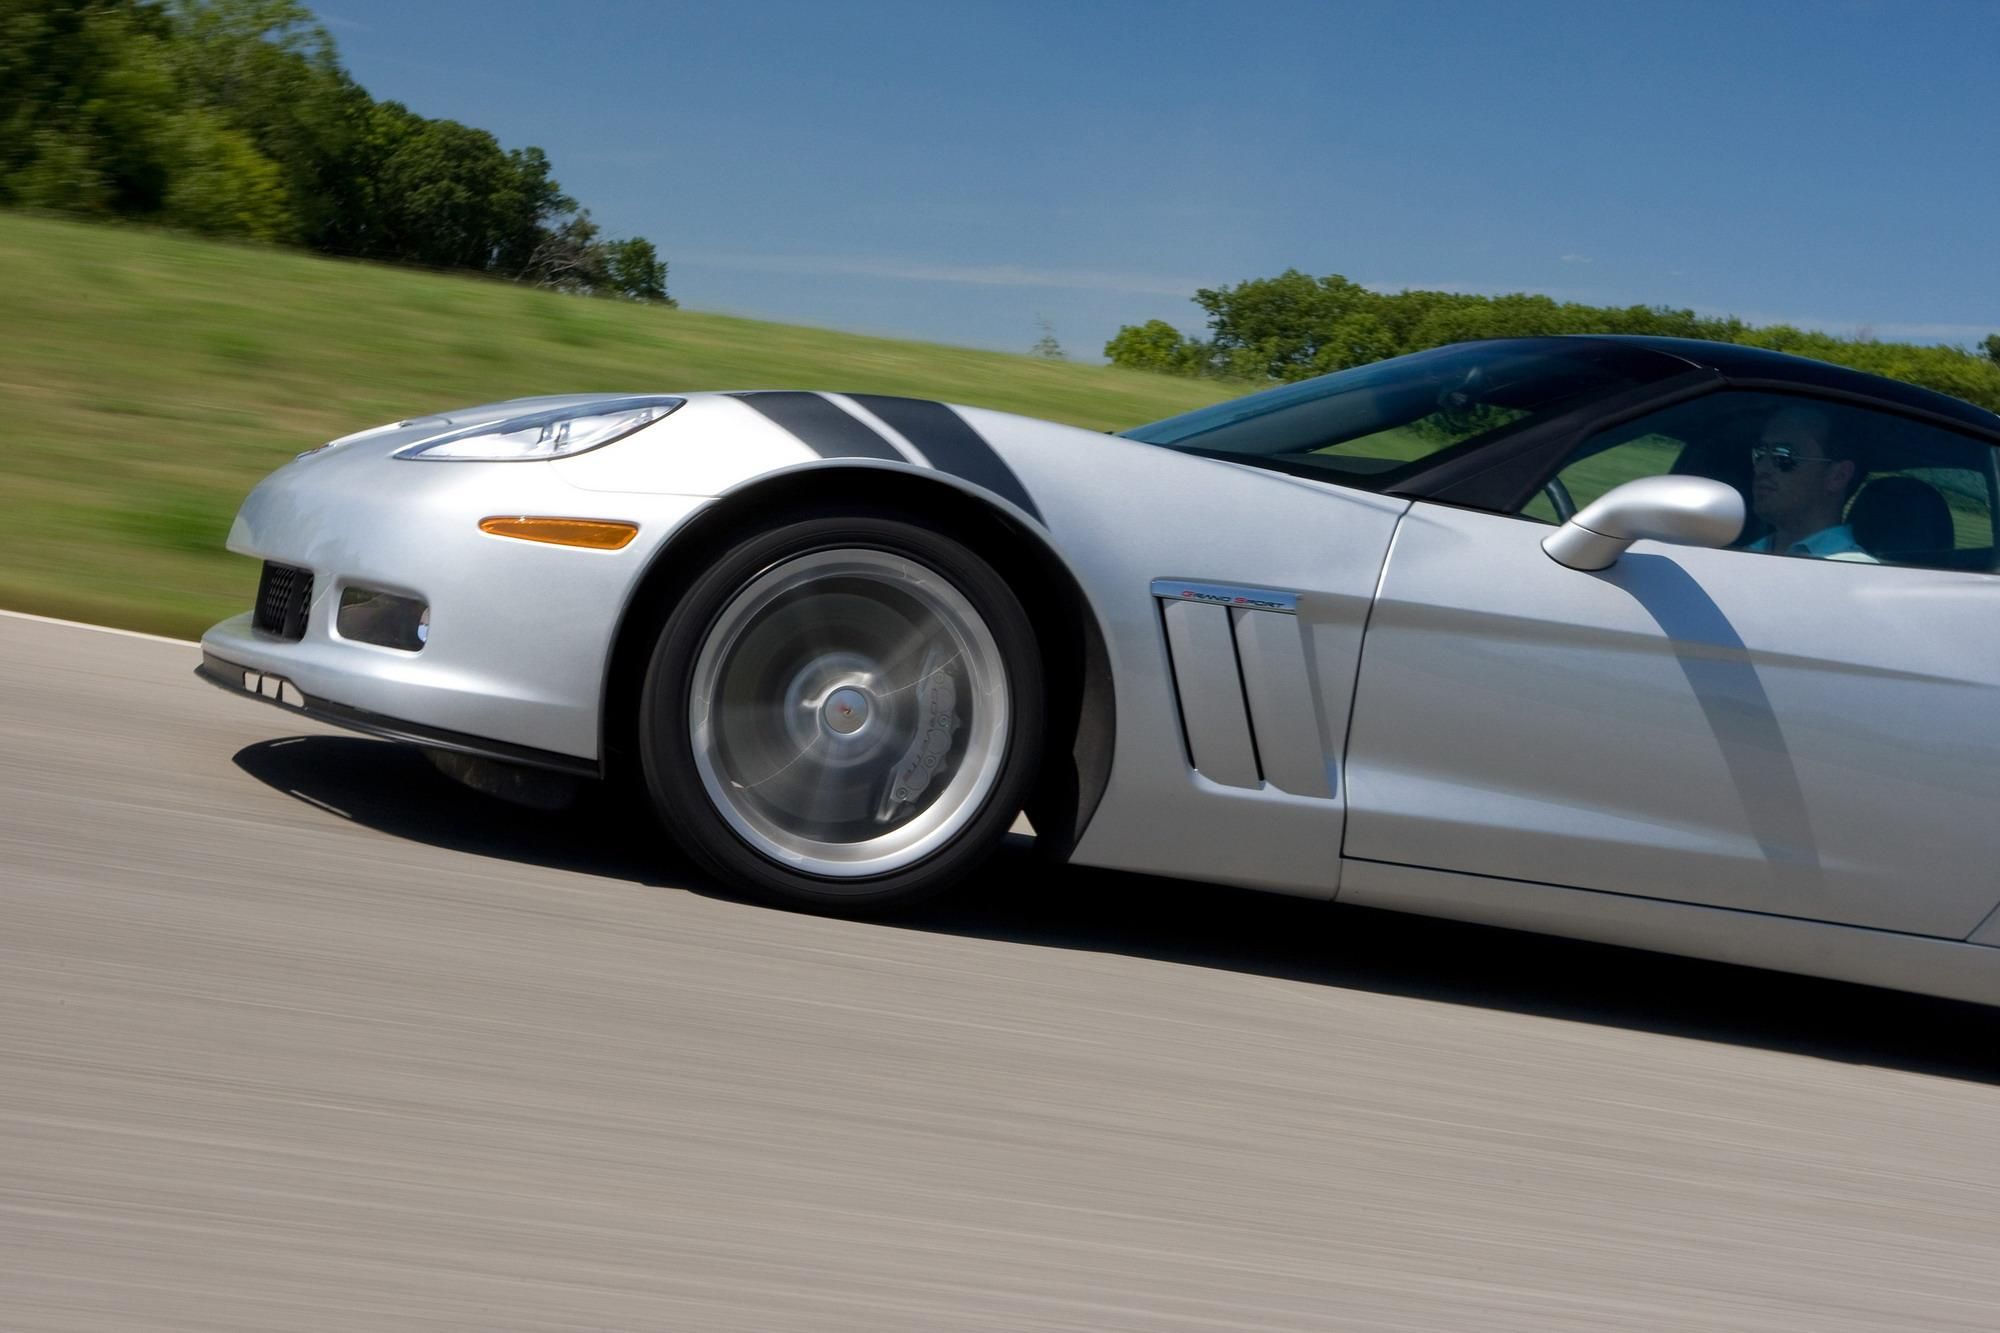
{"points": [[1688, 511]]}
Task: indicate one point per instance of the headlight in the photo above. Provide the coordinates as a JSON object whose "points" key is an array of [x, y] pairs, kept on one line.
{"points": [[542, 435]]}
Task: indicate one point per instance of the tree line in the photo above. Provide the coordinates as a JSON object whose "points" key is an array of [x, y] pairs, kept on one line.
{"points": [[235, 118], [1294, 326]]}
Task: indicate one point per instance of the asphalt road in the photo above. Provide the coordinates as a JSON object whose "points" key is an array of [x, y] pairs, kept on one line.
{"points": [[295, 1034]]}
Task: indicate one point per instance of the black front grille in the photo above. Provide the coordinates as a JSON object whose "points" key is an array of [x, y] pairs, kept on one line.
{"points": [[283, 595]]}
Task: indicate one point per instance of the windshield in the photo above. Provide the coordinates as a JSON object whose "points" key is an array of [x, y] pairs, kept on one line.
{"points": [[1372, 425]]}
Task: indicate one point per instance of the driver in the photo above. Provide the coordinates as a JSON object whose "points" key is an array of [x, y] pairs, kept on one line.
{"points": [[1801, 477]]}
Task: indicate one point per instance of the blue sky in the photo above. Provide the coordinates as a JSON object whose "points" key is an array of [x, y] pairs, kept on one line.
{"points": [[955, 171]]}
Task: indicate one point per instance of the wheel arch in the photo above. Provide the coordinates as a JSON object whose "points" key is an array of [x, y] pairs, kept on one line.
{"points": [[1077, 679]]}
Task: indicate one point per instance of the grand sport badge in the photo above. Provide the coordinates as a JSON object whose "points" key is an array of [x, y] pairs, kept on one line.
{"points": [[1223, 594]]}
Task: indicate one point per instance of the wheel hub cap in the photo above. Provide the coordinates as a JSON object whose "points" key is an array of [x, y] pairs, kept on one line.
{"points": [[846, 711]]}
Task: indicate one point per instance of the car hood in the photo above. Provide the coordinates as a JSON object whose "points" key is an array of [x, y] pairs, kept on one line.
{"points": [[716, 443]]}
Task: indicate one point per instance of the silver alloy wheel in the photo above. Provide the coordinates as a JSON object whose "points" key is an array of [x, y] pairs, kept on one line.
{"points": [[849, 712]]}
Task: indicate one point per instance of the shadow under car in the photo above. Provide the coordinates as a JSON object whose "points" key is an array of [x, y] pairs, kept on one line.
{"points": [[395, 790]]}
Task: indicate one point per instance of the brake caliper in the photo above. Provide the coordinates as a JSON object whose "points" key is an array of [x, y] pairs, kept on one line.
{"points": [[937, 718]]}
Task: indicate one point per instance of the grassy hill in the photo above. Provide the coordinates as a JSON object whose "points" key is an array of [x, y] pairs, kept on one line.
{"points": [[147, 381]]}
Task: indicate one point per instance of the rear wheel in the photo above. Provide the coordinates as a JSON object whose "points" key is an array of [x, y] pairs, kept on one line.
{"points": [[843, 712]]}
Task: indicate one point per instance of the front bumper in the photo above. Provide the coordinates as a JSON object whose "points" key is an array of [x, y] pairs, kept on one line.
{"points": [[275, 689], [520, 632]]}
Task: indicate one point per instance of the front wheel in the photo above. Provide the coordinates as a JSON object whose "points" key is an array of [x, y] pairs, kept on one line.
{"points": [[843, 712]]}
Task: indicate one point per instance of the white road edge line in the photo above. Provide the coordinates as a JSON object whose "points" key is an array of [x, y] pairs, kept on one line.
{"points": [[101, 629]]}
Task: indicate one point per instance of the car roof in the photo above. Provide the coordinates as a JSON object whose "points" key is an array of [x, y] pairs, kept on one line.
{"points": [[1760, 363]]}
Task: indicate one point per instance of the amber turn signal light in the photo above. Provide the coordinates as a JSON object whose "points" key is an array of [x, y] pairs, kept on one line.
{"points": [[596, 534]]}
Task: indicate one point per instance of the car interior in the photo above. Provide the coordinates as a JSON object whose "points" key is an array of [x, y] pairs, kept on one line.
{"points": [[1928, 498]]}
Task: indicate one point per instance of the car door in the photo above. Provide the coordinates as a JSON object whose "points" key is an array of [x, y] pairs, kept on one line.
{"points": [[1815, 738]]}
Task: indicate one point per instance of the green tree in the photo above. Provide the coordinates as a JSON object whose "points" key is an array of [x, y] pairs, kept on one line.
{"points": [[267, 70], [1158, 346], [528, 201], [437, 192], [1275, 327], [575, 257], [635, 271], [444, 194], [87, 106], [112, 128], [234, 117], [223, 186]]}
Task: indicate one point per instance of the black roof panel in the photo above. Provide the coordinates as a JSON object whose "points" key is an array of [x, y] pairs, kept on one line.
{"points": [[1760, 363]]}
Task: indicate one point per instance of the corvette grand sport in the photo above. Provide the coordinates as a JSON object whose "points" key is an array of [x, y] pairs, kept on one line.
{"points": [[1686, 646]]}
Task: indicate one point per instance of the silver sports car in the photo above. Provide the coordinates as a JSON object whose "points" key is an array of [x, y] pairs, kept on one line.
{"points": [[1679, 645]]}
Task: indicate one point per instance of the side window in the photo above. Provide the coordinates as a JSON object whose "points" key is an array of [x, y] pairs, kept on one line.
{"points": [[1819, 480]]}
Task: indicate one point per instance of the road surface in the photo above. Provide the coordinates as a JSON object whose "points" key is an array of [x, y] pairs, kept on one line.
{"points": [[295, 1034]]}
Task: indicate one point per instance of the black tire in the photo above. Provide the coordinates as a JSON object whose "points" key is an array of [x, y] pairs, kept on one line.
{"points": [[721, 823]]}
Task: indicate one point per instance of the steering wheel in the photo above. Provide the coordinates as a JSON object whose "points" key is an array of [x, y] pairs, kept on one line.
{"points": [[1559, 499]]}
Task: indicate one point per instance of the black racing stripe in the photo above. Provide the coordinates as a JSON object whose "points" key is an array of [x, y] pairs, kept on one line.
{"points": [[822, 427], [950, 443]]}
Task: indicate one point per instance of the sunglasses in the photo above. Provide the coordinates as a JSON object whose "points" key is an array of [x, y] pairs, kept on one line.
{"points": [[1782, 457]]}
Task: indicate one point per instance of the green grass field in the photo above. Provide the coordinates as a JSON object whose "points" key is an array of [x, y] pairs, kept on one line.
{"points": [[147, 381]]}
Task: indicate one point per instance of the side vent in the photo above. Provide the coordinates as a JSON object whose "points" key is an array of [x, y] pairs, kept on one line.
{"points": [[1211, 693], [1245, 694]]}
